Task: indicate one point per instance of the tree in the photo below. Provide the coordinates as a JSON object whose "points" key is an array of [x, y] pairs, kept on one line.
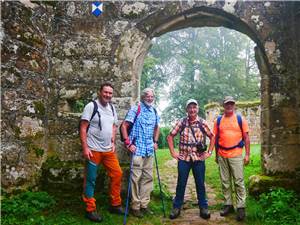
{"points": [[202, 63]]}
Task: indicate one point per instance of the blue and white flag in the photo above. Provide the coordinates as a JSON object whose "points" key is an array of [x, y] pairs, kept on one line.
{"points": [[97, 8]]}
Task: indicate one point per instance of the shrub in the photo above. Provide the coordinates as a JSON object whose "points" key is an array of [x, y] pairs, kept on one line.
{"points": [[26, 208], [162, 140], [277, 207]]}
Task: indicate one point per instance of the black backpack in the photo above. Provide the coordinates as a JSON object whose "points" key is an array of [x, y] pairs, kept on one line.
{"points": [[95, 111]]}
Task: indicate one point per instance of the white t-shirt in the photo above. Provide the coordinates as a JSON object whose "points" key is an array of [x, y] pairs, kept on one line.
{"points": [[100, 140]]}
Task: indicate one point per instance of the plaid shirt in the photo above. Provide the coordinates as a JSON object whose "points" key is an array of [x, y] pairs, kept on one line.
{"points": [[186, 149], [143, 129]]}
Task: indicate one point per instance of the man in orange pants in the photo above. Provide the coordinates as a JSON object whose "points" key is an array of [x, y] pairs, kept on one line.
{"points": [[97, 134]]}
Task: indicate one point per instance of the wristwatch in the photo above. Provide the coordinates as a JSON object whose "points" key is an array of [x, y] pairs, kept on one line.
{"points": [[209, 152]]}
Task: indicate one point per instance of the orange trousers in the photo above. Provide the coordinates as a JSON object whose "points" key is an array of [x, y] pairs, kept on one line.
{"points": [[111, 164]]}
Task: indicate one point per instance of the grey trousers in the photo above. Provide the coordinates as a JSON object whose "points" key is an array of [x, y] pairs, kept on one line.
{"points": [[233, 169], [141, 181]]}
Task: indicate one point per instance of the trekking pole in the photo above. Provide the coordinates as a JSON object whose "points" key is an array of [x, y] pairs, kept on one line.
{"points": [[161, 194], [128, 190]]}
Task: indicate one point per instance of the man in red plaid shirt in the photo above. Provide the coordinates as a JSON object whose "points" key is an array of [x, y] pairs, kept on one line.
{"points": [[192, 153]]}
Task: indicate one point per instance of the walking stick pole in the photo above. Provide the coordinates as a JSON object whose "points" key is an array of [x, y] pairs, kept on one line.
{"points": [[161, 194], [128, 190]]}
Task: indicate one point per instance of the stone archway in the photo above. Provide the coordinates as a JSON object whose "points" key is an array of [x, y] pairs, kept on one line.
{"points": [[209, 16], [55, 54]]}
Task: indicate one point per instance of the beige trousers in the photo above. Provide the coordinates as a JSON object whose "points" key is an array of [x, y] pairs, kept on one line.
{"points": [[141, 181], [233, 169]]}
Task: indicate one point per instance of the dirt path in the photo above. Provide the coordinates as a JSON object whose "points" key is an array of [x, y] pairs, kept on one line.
{"points": [[190, 213]]}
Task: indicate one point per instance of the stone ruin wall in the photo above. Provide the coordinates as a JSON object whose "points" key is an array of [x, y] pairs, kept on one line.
{"points": [[54, 55], [250, 113]]}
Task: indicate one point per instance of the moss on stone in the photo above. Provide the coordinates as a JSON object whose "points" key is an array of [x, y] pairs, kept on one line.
{"points": [[55, 162], [240, 104], [39, 107], [211, 105], [31, 147], [39, 152], [248, 104], [262, 183], [17, 131]]}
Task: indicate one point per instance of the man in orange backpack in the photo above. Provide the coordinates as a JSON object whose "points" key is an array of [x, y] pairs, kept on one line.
{"points": [[231, 132]]}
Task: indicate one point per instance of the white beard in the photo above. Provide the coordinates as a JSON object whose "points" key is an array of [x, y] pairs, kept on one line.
{"points": [[148, 103]]}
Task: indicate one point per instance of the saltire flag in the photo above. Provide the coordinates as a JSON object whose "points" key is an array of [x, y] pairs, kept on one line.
{"points": [[97, 8]]}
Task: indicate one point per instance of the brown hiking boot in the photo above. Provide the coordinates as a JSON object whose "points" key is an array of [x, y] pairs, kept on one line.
{"points": [[174, 213], [241, 214], [147, 211], [204, 213], [116, 210], [227, 209], [137, 213], [94, 216]]}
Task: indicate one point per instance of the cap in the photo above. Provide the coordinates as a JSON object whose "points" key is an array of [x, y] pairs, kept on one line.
{"points": [[191, 101], [228, 99]]}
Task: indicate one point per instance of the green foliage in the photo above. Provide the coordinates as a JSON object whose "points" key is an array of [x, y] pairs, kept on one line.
{"points": [[254, 166], [162, 140], [77, 106], [279, 206], [26, 208], [39, 152], [165, 193], [224, 61]]}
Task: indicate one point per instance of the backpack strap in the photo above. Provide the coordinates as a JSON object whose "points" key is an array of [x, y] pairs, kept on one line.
{"points": [[202, 130], [112, 109], [137, 113], [240, 144], [239, 119], [183, 125], [218, 132], [95, 111], [155, 111], [200, 123]]}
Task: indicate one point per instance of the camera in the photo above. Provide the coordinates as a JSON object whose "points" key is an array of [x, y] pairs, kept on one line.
{"points": [[201, 147]]}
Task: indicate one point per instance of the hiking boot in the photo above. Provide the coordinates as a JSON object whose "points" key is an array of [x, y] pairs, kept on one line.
{"points": [[204, 213], [116, 210], [137, 213], [240, 214], [227, 209], [147, 211], [174, 213], [93, 216]]}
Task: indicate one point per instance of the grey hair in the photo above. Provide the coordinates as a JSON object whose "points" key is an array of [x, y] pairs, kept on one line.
{"points": [[145, 91]]}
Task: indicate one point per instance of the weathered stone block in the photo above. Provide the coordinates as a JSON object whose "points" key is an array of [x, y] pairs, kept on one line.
{"points": [[259, 184]]}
